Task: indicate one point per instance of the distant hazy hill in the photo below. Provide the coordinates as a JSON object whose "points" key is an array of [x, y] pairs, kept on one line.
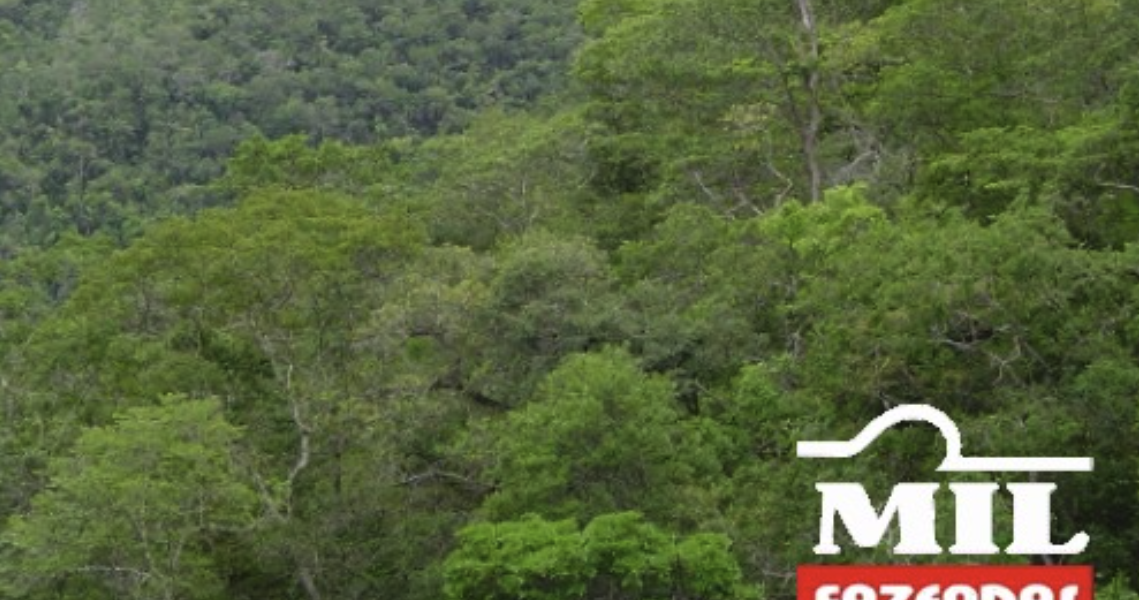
{"points": [[106, 105]]}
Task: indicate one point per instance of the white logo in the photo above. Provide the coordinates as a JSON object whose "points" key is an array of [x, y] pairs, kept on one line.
{"points": [[913, 503]]}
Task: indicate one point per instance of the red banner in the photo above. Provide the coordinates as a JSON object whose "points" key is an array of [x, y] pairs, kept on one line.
{"points": [[888, 582]]}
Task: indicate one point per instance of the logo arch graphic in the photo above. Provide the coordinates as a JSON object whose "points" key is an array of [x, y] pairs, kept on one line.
{"points": [[954, 460]]}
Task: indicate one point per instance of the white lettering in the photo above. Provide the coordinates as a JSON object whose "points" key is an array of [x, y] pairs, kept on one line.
{"points": [[827, 592], [859, 591], [959, 592], [996, 592], [988, 591], [930, 592], [1032, 522], [974, 519], [898, 592], [911, 503], [1036, 592]]}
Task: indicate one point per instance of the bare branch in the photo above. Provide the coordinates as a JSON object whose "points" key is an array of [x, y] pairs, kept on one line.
{"points": [[305, 452], [308, 583], [695, 173], [846, 174], [135, 573], [1119, 186], [810, 130], [434, 473]]}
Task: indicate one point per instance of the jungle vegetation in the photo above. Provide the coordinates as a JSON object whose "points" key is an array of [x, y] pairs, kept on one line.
{"points": [[531, 299]]}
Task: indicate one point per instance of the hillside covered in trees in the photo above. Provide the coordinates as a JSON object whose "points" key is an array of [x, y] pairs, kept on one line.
{"points": [[531, 299]]}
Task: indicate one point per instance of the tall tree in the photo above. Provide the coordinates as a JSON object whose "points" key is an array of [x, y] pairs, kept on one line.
{"points": [[137, 511]]}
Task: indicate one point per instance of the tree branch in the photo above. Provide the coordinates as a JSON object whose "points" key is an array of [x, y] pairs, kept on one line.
{"points": [[305, 452], [1119, 186]]}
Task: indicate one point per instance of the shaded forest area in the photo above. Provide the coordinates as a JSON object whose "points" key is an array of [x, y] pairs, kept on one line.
{"points": [[505, 299]]}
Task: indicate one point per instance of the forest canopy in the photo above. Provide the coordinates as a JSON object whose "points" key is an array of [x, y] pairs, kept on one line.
{"points": [[494, 299]]}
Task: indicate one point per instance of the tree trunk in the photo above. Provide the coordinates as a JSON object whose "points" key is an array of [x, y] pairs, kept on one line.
{"points": [[809, 132]]}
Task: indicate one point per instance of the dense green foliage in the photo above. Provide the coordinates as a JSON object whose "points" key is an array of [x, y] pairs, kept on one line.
{"points": [[467, 299], [115, 112]]}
